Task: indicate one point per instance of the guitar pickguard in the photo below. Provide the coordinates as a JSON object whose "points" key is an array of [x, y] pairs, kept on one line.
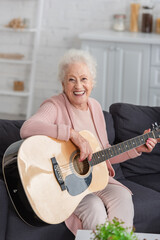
{"points": [[76, 185]]}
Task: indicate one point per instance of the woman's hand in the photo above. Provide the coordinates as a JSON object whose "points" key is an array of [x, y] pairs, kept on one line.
{"points": [[148, 146], [82, 144]]}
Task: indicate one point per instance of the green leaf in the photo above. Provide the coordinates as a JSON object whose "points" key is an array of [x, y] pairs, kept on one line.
{"points": [[113, 230]]}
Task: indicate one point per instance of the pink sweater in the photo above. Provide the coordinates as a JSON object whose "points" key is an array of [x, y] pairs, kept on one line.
{"points": [[55, 118]]}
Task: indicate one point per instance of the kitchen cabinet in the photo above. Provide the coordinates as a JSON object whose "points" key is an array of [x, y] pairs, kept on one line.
{"points": [[154, 90], [20, 102], [124, 66]]}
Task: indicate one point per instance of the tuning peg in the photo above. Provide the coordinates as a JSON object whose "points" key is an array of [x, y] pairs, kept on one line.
{"points": [[156, 126], [153, 126]]}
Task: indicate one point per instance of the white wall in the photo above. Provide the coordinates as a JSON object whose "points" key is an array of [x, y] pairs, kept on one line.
{"points": [[62, 21]]}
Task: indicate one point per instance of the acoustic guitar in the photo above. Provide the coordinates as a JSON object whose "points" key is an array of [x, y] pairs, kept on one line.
{"points": [[46, 181]]}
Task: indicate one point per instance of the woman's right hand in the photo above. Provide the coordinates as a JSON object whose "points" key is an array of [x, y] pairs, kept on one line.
{"points": [[82, 144]]}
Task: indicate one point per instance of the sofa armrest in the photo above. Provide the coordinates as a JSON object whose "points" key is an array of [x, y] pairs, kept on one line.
{"points": [[9, 133]]}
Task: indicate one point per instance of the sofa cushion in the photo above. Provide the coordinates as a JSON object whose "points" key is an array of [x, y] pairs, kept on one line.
{"points": [[20, 230], [130, 121], [9, 133], [148, 180], [146, 207]]}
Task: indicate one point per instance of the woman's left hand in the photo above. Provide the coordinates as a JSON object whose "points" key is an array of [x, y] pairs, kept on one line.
{"points": [[148, 146]]}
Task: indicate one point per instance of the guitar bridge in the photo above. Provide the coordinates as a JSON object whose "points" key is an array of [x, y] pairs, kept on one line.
{"points": [[57, 174]]}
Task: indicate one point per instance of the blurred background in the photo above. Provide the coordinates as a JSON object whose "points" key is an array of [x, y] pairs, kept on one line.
{"points": [[34, 34]]}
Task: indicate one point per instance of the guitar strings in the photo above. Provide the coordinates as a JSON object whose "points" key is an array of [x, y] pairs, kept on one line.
{"points": [[66, 168]]}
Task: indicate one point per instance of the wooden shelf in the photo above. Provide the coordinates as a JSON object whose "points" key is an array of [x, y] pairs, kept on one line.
{"points": [[28, 60], [12, 116], [15, 93], [3, 60], [6, 29]]}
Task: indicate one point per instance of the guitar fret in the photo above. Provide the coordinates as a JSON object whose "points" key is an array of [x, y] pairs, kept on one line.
{"points": [[124, 147], [119, 148], [106, 154], [139, 140], [95, 154], [114, 151], [130, 144], [142, 140], [93, 162], [110, 153], [102, 154], [133, 143], [96, 157]]}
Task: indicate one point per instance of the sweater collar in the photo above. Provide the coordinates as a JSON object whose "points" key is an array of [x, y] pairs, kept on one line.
{"points": [[95, 116]]}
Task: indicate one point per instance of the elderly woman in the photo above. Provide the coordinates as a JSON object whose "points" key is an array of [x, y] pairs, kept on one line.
{"points": [[62, 117]]}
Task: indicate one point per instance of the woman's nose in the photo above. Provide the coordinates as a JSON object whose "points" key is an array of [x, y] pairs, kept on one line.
{"points": [[78, 84]]}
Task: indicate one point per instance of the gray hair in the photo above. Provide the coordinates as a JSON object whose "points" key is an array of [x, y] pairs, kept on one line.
{"points": [[74, 56]]}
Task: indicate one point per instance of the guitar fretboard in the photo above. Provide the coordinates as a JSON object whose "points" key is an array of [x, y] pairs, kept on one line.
{"points": [[120, 148]]}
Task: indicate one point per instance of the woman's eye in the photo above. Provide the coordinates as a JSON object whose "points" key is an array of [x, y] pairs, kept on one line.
{"points": [[71, 79], [84, 79]]}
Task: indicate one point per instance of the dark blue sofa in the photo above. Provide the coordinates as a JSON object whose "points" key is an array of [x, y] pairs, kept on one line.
{"points": [[140, 175]]}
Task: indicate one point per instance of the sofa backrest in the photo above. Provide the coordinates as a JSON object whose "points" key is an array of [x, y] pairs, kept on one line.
{"points": [[130, 121], [9, 133], [109, 127]]}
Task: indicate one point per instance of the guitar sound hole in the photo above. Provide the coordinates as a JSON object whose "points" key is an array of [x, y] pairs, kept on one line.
{"points": [[81, 168]]}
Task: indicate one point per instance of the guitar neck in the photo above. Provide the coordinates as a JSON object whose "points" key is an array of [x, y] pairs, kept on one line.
{"points": [[120, 148]]}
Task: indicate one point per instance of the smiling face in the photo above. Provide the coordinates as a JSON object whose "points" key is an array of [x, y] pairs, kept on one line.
{"points": [[78, 85]]}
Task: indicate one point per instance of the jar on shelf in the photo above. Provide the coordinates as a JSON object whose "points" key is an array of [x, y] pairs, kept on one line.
{"points": [[147, 19], [134, 16], [158, 24], [18, 85], [119, 22]]}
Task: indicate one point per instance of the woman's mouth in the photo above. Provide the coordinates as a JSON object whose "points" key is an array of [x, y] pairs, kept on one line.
{"points": [[78, 93]]}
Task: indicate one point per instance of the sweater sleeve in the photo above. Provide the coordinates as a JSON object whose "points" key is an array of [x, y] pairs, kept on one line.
{"points": [[43, 123]]}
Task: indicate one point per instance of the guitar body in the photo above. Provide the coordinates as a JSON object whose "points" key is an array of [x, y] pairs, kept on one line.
{"points": [[51, 178]]}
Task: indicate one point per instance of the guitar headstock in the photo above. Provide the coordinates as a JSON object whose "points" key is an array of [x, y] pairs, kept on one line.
{"points": [[156, 130]]}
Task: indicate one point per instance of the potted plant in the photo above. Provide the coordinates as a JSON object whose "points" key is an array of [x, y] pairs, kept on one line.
{"points": [[113, 230]]}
